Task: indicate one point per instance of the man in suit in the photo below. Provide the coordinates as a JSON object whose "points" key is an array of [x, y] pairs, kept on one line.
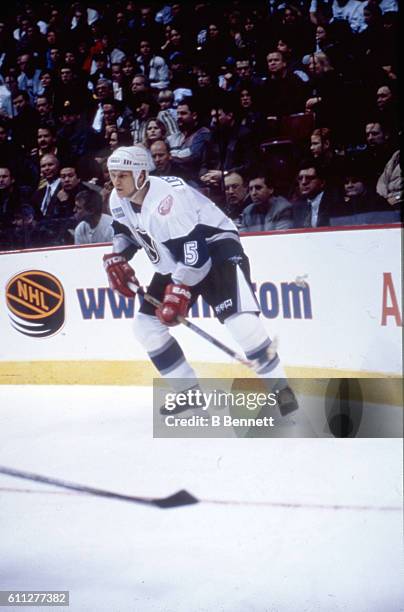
{"points": [[311, 209], [267, 212], [45, 200]]}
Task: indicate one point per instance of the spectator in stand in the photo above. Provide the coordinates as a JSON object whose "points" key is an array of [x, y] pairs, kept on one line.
{"points": [[46, 140], [217, 48], [167, 114], [44, 200], [147, 28], [101, 72], [236, 191], [139, 84], [387, 107], [294, 62], [112, 52], [390, 184], [118, 138], [12, 156], [283, 93], [350, 11], [176, 45], [165, 101], [311, 208], [325, 92], [360, 199], [71, 185], [6, 105], [94, 226], [154, 130], [182, 80], [25, 124], [117, 81], [54, 59], [103, 93], [47, 85], [230, 147], [152, 66], [323, 152], [122, 33], [129, 69], [76, 134], [29, 77], [166, 41], [379, 150], [294, 28], [143, 107], [163, 162], [69, 88], [12, 197], [206, 93], [10, 81], [244, 76], [250, 116], [189, 144], [267, 211], [23, 233], [47, 143], [45, 109]]}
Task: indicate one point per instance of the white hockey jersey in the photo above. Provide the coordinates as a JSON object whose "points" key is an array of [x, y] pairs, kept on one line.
{"points": [[178, 227]]}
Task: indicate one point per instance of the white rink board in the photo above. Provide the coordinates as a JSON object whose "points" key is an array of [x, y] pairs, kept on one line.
{"points": [[335, 322]]}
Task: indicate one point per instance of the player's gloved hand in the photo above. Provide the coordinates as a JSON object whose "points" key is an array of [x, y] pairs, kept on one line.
{"points": [[175, 304], [120, 273]]}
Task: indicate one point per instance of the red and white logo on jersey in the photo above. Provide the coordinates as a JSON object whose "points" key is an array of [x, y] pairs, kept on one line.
{"points": [[165, 205]]}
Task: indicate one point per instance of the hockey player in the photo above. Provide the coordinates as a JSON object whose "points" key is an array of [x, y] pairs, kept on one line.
{"points": [[196, 250]]}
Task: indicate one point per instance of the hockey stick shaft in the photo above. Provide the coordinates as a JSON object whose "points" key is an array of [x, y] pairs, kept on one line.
{"points": [[181, 498], [201, 332]]}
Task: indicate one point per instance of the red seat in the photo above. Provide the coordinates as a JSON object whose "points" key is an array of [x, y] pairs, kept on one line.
{"points": [[279, 158], [297, 127]]}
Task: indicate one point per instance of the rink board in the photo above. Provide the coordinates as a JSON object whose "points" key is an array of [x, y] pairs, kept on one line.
{"points": [[332, 298]]}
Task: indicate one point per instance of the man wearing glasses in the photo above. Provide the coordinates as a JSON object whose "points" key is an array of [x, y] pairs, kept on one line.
{"points": [[311, 207]]}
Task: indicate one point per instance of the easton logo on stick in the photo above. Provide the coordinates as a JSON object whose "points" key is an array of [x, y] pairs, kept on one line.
{"points": [[36, 303]]}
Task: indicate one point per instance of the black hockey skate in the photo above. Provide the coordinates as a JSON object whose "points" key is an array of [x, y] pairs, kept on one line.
{"points": [[287, 401]]}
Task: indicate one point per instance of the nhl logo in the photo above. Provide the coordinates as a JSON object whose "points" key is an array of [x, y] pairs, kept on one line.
{"points": [[36, 303], [165, 205]]}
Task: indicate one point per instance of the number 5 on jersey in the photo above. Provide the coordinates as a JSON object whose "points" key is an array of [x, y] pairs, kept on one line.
{"points": [[191, 254]]}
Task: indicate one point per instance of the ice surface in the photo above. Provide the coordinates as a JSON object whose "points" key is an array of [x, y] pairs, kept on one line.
{"points": [[122, 557]]}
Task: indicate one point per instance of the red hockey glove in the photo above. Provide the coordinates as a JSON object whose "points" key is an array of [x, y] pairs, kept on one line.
{"points": [[120, 273], [175, 304]]}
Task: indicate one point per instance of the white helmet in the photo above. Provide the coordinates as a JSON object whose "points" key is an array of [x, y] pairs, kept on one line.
{"points": [[131, 159]]}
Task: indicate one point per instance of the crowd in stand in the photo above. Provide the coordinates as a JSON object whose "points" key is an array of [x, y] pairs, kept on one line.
{"points": [[286, 115]]}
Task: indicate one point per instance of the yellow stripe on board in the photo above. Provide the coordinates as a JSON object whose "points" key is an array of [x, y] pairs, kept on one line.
{"points": [[381, 390]]}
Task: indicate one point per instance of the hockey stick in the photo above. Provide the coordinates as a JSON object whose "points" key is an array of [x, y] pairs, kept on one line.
{"points": [[195, 328], [181, 498]]}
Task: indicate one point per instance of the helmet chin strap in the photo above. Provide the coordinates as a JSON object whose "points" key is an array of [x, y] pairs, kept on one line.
{"points": [[141, 175]]}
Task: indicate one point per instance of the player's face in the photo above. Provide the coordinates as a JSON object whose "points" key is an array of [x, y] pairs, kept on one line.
{"points": [[123, 182]]}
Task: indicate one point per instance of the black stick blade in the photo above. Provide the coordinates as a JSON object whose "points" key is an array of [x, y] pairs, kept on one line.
{"points": [[181, 498]]}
